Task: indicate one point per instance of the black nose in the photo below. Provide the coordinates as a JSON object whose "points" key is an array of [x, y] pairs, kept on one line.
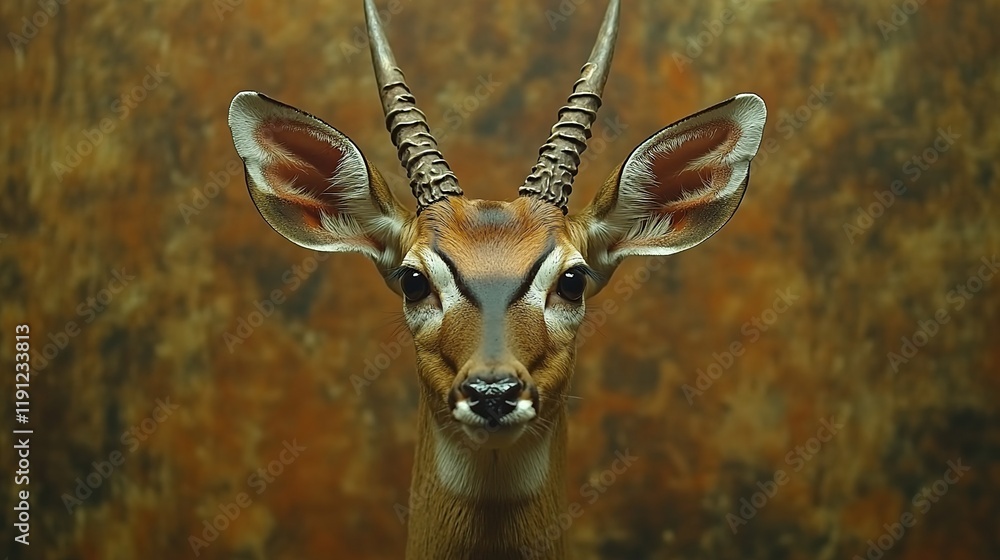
{"points": [[492, 399]]}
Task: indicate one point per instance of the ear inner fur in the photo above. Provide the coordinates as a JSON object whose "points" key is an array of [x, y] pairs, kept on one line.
{"points": [[493, 320]]}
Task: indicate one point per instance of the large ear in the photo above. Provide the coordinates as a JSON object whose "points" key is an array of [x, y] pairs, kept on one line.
{"points": [[676, 189], [311, 183]]}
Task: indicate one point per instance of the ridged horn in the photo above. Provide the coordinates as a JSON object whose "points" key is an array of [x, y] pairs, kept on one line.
{"points": [[551, 179], [430, 177]]}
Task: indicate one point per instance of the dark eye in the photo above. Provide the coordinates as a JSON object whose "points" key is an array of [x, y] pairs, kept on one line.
{"points": [[572, 284], [414, 285]]}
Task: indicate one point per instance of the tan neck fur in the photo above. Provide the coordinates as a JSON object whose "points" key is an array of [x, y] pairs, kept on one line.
{"points": [[471, 502]]}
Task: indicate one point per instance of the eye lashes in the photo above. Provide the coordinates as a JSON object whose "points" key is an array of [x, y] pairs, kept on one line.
{"points": [[398, 272], [590, 273]]}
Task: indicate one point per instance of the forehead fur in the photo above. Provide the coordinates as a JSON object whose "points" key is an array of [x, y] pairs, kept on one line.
{"points": [[486, 237]]}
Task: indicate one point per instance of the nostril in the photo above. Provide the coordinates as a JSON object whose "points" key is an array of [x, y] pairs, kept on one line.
{"points": [[492, 399], [481, 388]]}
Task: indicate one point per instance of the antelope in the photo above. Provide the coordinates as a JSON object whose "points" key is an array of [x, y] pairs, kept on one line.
{"points": [[493, 292]]}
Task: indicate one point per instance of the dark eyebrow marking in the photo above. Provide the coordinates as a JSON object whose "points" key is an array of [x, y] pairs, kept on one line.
{"points": [[476, 294], [530, 276], [459, 281]]}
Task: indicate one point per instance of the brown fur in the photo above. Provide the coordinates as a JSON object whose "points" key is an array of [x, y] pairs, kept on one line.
{"points": [[445, 526], [486, 238], [494, 497]]}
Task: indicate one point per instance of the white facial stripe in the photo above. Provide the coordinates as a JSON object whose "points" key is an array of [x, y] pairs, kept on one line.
{"points": [[557, 318], [561, 318], [550, 270], [547, 274], [421, 317], [440, 276]]}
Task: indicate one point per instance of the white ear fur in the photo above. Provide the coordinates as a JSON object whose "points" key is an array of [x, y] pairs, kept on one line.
{"points": [[747, 110], [310, 181], [636, 213]]}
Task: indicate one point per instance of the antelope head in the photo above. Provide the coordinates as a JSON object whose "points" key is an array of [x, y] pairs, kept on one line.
{"points": [[494, 292]]}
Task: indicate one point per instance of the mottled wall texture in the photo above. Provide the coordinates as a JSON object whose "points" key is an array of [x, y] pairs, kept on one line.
{"points": [[818, 379]]}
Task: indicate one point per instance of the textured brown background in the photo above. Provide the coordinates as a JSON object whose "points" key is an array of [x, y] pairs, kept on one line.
{"points": [[197, 275]]}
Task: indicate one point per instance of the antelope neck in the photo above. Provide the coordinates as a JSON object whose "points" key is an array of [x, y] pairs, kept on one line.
{"points": [[468, 501]]}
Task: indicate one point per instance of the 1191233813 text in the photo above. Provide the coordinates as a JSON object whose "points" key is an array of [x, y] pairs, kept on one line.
{"points": [[21, 433]]}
